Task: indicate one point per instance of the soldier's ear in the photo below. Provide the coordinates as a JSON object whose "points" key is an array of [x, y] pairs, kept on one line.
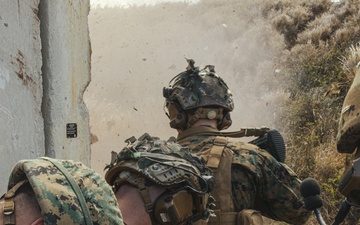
{"points": [[39, 221]]}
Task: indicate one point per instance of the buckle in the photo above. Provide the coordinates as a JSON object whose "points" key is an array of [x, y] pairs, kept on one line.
{"points": [[9, 207]]}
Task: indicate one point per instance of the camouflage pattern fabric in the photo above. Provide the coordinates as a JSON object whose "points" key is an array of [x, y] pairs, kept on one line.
{"points": [[59, 203], [348, 137], [148, 161], [258, 180], [195, 88]]}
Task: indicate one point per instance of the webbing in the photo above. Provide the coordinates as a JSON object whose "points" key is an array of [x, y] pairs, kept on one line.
{"points": [[9, 205], [75, 188], [216, 152]]}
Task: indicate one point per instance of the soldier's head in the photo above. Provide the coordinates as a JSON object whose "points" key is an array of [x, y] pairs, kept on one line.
{"points": [[160, 183], [198, 94], [62, 192]]}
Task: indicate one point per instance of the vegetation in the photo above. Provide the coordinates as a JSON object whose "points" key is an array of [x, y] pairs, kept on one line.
{"points": [[293, 59], [322, 47]]}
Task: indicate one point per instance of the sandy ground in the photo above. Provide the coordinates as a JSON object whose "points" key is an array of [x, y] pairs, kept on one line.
{"points": [[137, 50]]}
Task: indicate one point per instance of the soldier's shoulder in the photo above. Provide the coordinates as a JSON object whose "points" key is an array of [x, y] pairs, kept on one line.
{"points": [[245, 147], [348, 136]]}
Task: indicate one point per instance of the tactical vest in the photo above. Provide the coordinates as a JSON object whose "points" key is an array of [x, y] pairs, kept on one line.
{"points": [[220, 159]]}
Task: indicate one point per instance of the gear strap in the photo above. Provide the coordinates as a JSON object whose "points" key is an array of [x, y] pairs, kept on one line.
{"points": [[208, 131], [9, 204], [76, 189], [144, 191], [220, 160], [216, 152]]}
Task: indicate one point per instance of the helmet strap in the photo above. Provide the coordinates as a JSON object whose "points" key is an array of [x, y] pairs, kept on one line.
{"points": [[178, 117], [205, 113], [225, 122]]}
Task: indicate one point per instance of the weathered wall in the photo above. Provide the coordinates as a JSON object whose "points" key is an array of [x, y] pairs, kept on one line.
{"points": [[21, 130], [66, 74], [44, 70]]}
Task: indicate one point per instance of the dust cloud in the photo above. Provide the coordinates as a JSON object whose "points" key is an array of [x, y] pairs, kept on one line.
{"points": [[137, 50]]}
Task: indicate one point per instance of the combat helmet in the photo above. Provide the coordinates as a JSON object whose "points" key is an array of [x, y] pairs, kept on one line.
{"points": [[187, 181], [198, 94], [67, 192]]}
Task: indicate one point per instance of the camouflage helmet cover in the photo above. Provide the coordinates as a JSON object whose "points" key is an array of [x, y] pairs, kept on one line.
{"points": [[196, 88], [58, 201]]}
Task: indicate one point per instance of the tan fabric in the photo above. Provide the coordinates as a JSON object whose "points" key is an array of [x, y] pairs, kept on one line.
{"points": [[257, 180], [216, 152], [244, 217], [222, 218], [249, 217], [348, 137]]}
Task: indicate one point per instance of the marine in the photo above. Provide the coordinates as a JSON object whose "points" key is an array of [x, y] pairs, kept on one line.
{"points": [[249, 181]]}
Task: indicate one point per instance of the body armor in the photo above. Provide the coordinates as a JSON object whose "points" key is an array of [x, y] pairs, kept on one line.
{"points": [[150, 161]]}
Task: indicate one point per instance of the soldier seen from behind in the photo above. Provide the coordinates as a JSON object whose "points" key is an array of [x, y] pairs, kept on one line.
{"points": [[159, 182], [63, 192], [249, 181]]}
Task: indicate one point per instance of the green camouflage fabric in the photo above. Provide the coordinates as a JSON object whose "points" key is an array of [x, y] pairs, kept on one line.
{"points": [[163, 163], [57, 199], [258, 180], [348, 136], [144, 154], [196, 88]]}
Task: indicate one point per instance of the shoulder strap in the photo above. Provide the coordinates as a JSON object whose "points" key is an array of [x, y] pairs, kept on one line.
{"points": [[216, 152], [76, 189], [208, 131], [9, 204]]}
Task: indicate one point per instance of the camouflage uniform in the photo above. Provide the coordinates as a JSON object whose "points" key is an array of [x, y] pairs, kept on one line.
{"points": [[149, 161], [54, 182], [255, 179], [258, 181], [348, 137]]}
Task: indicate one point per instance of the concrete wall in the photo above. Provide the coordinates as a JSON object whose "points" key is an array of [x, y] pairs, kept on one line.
{"points": [[66, 73], [44, 70]]}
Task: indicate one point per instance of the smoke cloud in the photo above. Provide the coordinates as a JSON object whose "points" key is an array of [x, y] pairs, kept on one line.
{"points": [[137, 50]]}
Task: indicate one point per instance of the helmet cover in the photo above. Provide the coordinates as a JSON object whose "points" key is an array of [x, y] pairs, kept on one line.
{"points": [[58, 201], [196, 88]]}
